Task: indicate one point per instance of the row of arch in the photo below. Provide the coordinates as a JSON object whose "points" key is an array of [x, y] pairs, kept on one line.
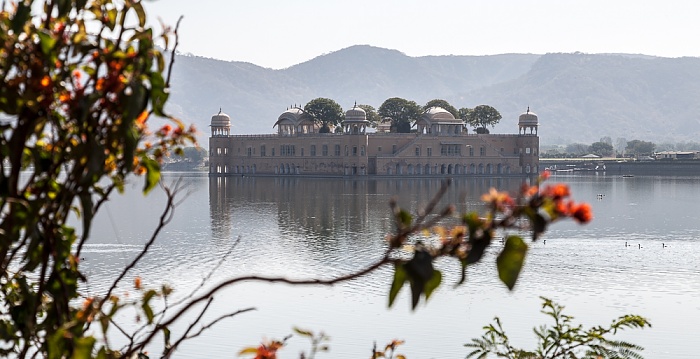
{"points": [[233, 169], [447, 169], [397, 169]]}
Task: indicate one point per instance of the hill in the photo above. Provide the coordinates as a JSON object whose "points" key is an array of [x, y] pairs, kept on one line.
{"points": [[579, 97]]}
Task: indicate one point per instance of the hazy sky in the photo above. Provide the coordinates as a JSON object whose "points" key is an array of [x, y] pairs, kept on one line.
{"points": [[281, 33]]}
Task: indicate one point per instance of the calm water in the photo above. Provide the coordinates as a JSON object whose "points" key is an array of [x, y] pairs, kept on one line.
{"points": [[302, 228]]}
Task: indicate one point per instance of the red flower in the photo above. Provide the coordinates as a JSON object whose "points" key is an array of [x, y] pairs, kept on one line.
{"points": [[557, 191], [165, 129], [545, 175], [582, 213]]}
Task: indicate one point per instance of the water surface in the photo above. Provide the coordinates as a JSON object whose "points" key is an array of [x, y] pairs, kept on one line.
{"points": [[302, 228]]}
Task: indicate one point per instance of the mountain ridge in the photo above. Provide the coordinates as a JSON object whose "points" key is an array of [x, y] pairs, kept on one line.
{"points": [[579, 97]]}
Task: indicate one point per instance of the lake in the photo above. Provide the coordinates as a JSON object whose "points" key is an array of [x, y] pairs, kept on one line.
{"points": [[322, 228]]}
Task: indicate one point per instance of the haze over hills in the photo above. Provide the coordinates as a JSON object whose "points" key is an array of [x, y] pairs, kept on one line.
{"points": [[578, 97]]}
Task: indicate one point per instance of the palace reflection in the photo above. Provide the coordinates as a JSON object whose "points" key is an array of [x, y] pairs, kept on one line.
{"points": [[321, 210]]}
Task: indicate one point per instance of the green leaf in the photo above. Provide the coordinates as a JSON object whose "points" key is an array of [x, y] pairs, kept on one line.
{"points": [[111, 18], [420, 271], [478, 243], [159, 95], [302, 332], [83, 347], [405, 218], [399, 280], [463, 271], [46, 41], [23, 14], [147, 310], [166, 336], [140, 13], [86, 204], [510, 260], [152, 174], [56, 344], [432, 284]]}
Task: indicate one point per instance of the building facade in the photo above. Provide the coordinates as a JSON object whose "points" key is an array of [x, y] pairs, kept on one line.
{"points": [[439, 146]]}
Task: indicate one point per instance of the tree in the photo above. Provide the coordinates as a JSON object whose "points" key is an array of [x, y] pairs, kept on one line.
{"points": [[326, 112], [577, 149], [640, 148], [602, 149], [442, 104], [402, 113], [372, 115], [76, 110], [194, 154], [563, 340], [620, 144], [481, 116]]}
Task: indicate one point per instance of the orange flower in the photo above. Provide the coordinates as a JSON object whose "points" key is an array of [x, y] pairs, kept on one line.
{"points": [[137, 282], [529, 191], [141, 120], [498, 199], [582, 213], [64, 97], [100, 85], [45, 81], [165, 129], [545, 175], [563, 209], [268, 351], [557, 191], [87, 303]]}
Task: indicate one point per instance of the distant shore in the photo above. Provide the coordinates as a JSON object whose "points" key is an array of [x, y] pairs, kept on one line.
{"points": [[618, 166]]}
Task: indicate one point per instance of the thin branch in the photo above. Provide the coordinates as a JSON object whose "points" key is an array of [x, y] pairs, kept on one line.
{"points": [[165, 218], [209, 275], [369, 269], [172, 56], [170, 350], [96, 207], [211, 324]]}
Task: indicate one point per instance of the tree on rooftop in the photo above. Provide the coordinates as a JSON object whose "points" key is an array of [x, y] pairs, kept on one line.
{"points": [[442, 104], [480, 117], [401, 112], [372, 115], [326, 112]]}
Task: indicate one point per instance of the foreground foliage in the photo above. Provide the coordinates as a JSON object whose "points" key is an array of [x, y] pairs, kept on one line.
{"points": [[78, 83], [80, 80], [562, 340]]}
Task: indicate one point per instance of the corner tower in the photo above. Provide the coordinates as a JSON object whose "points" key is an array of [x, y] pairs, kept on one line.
{"points": [[528, 121], [220, 124], [219, 143]]}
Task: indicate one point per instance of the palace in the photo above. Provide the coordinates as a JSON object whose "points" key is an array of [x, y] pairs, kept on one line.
{"points": [[439, 146]]}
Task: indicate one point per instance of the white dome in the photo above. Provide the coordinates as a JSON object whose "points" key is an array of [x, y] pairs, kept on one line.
{"points": [[528, 118], [355, 114], [439, 114], [221, 120]]}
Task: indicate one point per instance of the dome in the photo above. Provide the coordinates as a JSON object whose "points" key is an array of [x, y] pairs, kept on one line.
{"points": [[220, 120], [528, 118], [355, 114], [293, 114], [438, 114]]}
